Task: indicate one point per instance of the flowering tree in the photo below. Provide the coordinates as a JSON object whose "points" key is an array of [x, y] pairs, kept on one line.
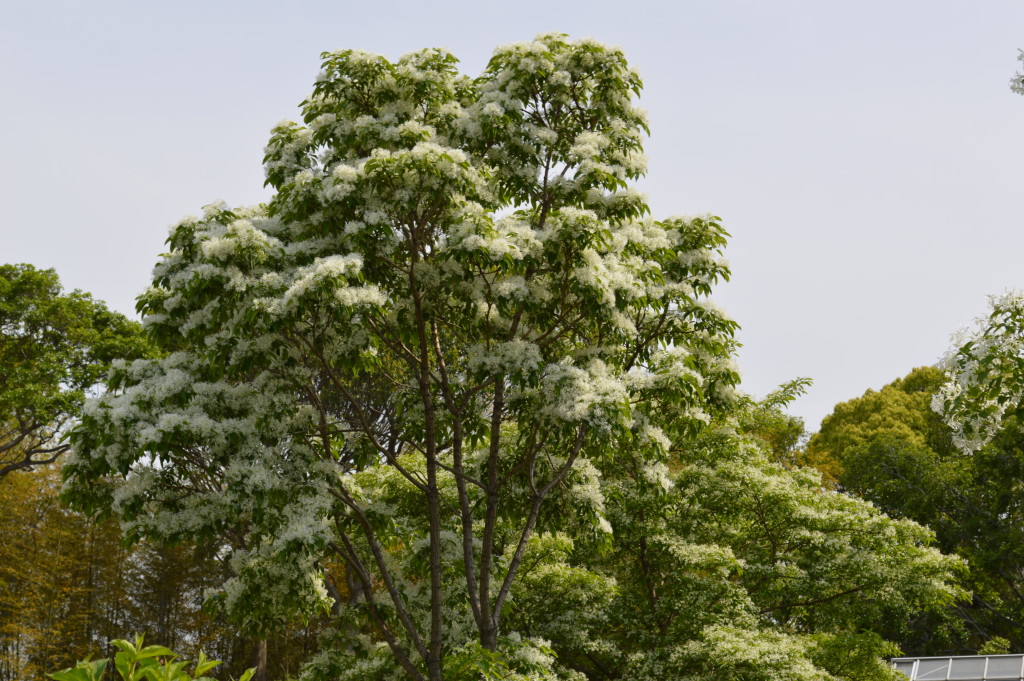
{"points": [[450, 320], [731, 564], [985, 369]]}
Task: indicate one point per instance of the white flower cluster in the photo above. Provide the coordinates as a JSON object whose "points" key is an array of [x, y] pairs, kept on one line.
{"points": [[576, 394], [508, 238], [330, 271], [513, 357], [985, 374], [586, 488], [263, 585], [776, 656]]}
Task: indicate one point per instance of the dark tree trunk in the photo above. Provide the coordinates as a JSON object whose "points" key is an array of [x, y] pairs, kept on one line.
{"points": [[259, 660]]}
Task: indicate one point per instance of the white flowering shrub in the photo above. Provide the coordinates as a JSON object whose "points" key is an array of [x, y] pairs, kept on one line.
{"points": [[725, 564], [454, 317], [985, 369]]}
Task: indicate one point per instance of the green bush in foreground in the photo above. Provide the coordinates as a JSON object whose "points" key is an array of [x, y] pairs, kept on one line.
{"points": [[137, 663]]}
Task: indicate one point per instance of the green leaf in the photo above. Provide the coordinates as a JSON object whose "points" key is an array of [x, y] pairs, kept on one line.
{"points": [[83, 671], [247, 674], [203, 665]]}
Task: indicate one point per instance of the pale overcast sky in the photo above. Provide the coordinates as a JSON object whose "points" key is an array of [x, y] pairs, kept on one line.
{"points": [[865, 156]]}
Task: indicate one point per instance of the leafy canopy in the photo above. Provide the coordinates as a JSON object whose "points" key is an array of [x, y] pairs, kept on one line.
{"points": [[453, 355], [54, 347], [891, 448], [455, 290]]}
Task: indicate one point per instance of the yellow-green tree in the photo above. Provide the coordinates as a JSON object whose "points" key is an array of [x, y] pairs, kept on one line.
{"points": [[900, 410], [62, 578], [68, 587]]}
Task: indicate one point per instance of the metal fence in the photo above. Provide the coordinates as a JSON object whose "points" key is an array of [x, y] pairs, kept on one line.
{"points": [[962, 668]]}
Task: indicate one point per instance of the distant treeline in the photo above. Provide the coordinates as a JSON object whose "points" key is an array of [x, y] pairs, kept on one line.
{"points": [[68, 586]]}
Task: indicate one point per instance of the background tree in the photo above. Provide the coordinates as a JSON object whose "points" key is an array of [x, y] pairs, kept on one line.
{"points": [[781, 433], [734, 566], [63, 591], [901, 411], [54, 346], [68, 587], [891, 448]]}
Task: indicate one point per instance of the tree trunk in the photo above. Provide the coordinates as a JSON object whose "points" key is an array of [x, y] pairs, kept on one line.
{"points": [[259, 660]]}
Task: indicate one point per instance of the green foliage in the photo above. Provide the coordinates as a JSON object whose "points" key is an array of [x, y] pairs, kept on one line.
{"points": [[777, 574], [137, 662], [83, 671], [437, 388], [735, 566], [454, 300], [997, 645], [858, 656], [54, 346], [899, 411], [892, 449], [768, 421]]}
